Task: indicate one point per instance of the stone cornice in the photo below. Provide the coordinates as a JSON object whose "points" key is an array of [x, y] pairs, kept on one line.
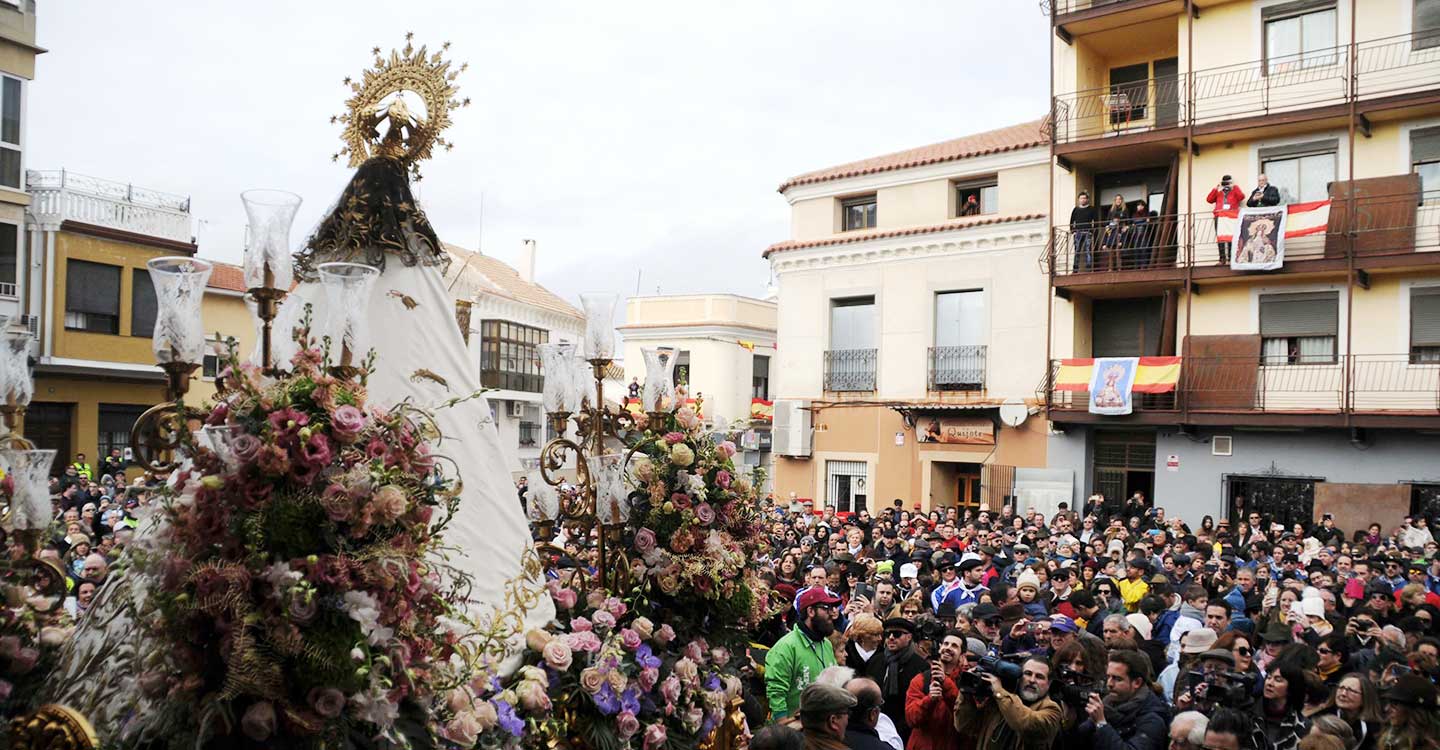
{"points": [[1028, 235]]}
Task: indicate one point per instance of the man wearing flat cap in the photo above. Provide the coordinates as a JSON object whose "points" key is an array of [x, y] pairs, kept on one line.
{"points": [[824, 716]]}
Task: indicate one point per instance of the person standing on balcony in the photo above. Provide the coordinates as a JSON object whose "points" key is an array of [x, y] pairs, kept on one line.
{"points": [[1112, 243], [1264, 194], [1224, 197], [1083, 218]]}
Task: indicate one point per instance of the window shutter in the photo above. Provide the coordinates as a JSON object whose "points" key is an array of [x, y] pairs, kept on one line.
{"points": [[1426, 24], [92, 288], [1425, 142], [1331, 145], [1309, 314], [1425, 316], [1285, 10], [143, 305]]}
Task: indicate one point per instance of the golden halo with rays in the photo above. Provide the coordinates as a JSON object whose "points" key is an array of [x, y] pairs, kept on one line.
{"points": [[408, 137]]}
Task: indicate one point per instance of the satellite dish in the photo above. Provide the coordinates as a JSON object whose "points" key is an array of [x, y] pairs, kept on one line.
{"points": [[1014, 412]]}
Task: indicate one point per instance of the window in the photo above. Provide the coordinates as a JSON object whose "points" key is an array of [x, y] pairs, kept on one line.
{"points": [[858, 213], [508, 358], [845, 482], [9, 258], [530, 429], [10, 132], [1299, 329], [1129, 93], [976, 197], [1425, 160], [682, 369], [115, 423], [92, 297], [957, 362], [852, 323], [1299, 35], [1302, 172], [1425, 24], [760, 377], [1425, 324], [143, 305]]}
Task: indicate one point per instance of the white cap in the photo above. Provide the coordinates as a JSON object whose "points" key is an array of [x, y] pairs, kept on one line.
{"points": [[908, 570]]}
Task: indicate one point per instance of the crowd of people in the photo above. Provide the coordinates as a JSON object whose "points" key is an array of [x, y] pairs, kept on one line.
{"points": [[1119, 628]]}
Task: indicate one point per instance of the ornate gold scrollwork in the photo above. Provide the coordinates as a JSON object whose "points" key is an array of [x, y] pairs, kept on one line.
{"points": [[53, 727]]}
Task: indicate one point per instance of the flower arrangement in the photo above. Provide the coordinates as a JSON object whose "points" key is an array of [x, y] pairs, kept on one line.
{"points": [[33, 628], [299, 588]]}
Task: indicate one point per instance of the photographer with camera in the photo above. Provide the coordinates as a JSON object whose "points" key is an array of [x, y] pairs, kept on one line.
{"points": [[1007, 721], [1131, 716], [930, 700]]}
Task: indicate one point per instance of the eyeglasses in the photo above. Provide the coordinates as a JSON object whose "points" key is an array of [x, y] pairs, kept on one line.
{"points": [[1324, 650], [1243, 650], [1347, 689], [896, 634]]}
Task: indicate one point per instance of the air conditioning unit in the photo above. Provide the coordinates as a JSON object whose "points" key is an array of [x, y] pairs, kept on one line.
{"points": [[791, 428], [515, 409]]}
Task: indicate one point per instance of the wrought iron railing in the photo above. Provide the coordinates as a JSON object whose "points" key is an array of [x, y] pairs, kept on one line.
{"points": [[58, 196], [1356, 383], [957, 368], [1378, 225], [1388, 66], [850, 369], [1061, 7]]}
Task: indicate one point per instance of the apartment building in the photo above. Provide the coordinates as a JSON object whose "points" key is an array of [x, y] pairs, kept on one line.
{"points": [[17, 70], [724, 344], [87, 298], [505, 315], [1308, 338], [911, 326]]}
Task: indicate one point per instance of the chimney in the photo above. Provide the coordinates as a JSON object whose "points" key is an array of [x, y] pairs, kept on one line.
{"points": [[527, 262]]}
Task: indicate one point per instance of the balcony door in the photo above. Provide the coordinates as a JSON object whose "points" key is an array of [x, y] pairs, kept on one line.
{"points": [[957, 362], [1124, 465], [1167, 93], [850, 362]]}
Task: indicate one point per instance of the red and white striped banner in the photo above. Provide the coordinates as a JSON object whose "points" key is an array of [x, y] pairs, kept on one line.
{"points": [[1301, 220]]}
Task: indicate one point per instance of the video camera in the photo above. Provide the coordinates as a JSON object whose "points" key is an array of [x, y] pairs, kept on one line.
{"points": [[1008, 672], [1211, 690], [1074, 688]]}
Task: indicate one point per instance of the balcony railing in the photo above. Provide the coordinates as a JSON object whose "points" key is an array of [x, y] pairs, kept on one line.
{"points": [[850, 369], [58, 196], [1354, 384], [1389, 66], [1061, 7], [957, 368], [1378, 225]]}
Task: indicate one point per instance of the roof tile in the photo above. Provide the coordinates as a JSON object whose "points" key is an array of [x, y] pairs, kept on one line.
{"points": [[482, 273]]}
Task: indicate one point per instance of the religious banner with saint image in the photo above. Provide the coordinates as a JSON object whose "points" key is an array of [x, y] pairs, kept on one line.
{"points": [[1259, 239], [1112, 381]]}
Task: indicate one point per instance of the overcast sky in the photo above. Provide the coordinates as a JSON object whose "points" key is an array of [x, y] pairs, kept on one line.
{"points": [[620, 135]]}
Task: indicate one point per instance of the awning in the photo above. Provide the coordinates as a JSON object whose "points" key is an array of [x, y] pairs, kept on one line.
{"points": [[1154, 374]]}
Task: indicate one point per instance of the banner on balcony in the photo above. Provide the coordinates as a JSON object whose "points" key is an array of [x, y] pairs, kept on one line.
{"points": [[1152, 374], [955, 430], [1258, 234], [762, 410], [1111, 382]]}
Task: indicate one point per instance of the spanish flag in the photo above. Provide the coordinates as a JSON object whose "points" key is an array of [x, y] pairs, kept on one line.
{"points": [[1154, 375], [762, 410]]}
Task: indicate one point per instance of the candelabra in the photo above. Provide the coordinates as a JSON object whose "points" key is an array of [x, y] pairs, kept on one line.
{"points": [[179, 346]]}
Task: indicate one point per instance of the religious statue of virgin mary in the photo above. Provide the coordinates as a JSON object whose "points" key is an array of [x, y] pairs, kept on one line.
{"points": [[420, 357]]}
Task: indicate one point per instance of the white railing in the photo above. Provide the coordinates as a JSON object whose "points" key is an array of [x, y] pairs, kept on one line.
{"points": [[57, 196]]}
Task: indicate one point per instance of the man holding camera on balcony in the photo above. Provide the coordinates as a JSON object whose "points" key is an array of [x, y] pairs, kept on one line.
{"points": [[1002, 720], [1224, 197]]}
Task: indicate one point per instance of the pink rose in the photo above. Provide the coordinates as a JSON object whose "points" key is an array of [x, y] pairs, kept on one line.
{"points": [[6, 687], [587, 642], [722, 478], [465, 728], [674, 437], [591, 680], [328, 702], [614, 606], [665, 634], [460, 699], [647, 678], [687, 670], [670, 689], [694, 652], [346, 423], [630, 639], [644, 540], [595, 599], [536, 639], [565, 598], [720, 656], [24, 661], [557, 654], [533, 697], [654, 737], [303, 609], [580, 625], [644, 627], [486, 716], [258, 723], [705, 514], [246, 448], [726, 449], [389, 503], [626, 724], [604, 620]]}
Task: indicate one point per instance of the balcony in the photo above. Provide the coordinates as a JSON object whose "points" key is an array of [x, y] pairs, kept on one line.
{"points": [[957, 368], [60, 196], [1393, 230], [850, 370], [1390, 73], [1357, 390], [1075, 17]]}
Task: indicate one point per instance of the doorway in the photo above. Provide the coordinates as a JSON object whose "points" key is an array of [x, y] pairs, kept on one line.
{"points": [[1167, 92], [1124, 464], [1283, 500], [957, 484], [48, 426]]}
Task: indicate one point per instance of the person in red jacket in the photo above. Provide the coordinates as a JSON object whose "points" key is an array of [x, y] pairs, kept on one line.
{"points": [[1227, 196], [930, 701]]}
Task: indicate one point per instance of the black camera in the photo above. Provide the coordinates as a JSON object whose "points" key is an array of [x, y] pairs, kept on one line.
{"points": [[971, 682], [1211, 690], [1074, 689]]}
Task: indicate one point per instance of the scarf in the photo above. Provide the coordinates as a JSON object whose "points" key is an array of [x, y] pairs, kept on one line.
{"points": [[892, 686]]}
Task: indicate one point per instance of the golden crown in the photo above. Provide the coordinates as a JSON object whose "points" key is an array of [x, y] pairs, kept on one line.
{"points": [[378, 96]]}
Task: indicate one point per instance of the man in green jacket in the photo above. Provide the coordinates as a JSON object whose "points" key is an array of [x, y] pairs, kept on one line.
{"points": [[798, 658]]}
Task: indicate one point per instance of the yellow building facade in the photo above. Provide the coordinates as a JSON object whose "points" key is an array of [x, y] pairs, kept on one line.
{"points": [[1290, 374]]}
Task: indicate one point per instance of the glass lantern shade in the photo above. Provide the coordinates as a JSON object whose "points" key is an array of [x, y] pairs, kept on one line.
{"points": [[16, 385], [582, 380], [30, 471], [659, 393], [557, 393], [179, 294], [347, 294], [267, 253], [543, 500], [612, 506], [599, 324]]}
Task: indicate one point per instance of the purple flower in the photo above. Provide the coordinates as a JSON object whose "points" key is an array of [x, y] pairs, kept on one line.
{"points": [[630, 700], [505, 713], [316, 450], [713, 683], [288, 419], [646, 658], [606, 700]]}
